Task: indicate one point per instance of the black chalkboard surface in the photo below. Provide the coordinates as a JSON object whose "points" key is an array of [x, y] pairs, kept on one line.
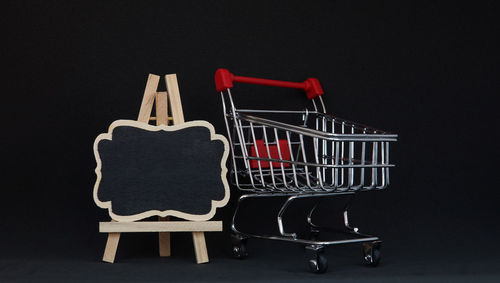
{"points": [[145, 170]]}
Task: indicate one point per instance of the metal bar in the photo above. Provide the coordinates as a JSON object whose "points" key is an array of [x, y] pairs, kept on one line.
{"points": [[342, 151], [301, 137], [280, 218], [351, 157], [316, 158], [269, 156], [317, 134], [229, 137], [382, 159], [311, 242], [374, 162], [336, 183], [387, 162], [281, 157], [324, 148], [332, 155], [244, 152], [363, 157], [257, 152], [274, 111], [291, 157]]}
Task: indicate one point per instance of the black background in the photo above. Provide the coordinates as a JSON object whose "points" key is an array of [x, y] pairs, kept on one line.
{"points": [[423, 70]]}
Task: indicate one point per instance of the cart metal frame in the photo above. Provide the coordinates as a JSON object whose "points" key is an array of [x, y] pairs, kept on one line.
{"points": [[318, 156]]}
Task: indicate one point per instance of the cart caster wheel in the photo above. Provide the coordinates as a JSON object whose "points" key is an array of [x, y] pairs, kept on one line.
{"points": [[317, 261], [372, 254], [319, 264], [239, 248], [240, 251]]}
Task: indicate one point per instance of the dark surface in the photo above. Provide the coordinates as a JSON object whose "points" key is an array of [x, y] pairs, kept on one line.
{"points": [[268, 261], [424, 70], [160, 170]]}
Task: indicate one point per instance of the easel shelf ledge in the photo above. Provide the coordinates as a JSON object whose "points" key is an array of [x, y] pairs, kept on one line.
{"points": [[163, 226]]}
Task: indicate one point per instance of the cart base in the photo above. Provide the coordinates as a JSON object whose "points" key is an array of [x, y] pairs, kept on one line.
{"points": [[315, 248]]}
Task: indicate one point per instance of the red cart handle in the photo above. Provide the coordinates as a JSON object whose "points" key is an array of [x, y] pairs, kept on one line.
{"points": [[224, 80]]}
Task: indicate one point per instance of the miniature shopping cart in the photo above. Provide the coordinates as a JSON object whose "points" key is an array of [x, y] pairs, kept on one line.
{"points": [[315, 155]]}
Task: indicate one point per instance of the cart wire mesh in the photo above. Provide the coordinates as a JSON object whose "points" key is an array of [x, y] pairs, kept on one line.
{"points": [[319, 154]]}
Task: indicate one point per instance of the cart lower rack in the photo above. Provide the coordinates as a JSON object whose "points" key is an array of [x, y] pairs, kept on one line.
{"points": [[317, 155]]}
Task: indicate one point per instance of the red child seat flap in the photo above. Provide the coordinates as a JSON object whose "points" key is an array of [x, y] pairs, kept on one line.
{"points": [[273, 151]]}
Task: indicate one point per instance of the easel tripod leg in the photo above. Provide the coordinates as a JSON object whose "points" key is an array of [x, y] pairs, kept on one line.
{"points": [[164, 240], [111, 247], [200, 247]]}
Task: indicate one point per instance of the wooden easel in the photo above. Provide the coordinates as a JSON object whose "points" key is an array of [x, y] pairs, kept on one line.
{"points": [[163, 226]]}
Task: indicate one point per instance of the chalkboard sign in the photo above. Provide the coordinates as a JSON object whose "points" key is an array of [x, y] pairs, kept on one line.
{"points": [[145, 170]]}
